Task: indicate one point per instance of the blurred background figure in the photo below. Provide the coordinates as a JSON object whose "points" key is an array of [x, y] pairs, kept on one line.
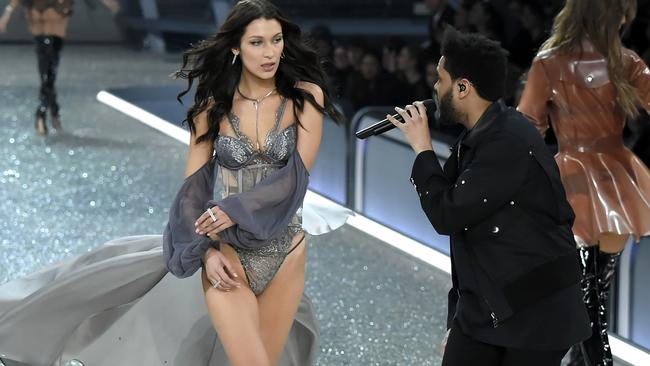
{"points": [[441, 13], [48, 23], [410, 73], [371, 85]]}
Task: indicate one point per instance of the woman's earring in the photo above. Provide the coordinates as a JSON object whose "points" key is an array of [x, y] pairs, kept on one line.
{"points": [[234, 58], [282, 55]]}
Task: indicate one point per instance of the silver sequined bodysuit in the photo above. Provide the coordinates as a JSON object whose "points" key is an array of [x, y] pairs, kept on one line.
{"points": [[240, 168]]}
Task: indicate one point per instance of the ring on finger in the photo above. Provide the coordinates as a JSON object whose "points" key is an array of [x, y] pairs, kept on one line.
{"points": [[216, 284], [214, 218]]}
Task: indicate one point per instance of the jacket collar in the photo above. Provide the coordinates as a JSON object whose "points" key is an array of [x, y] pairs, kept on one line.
{"points": [[470, 137]]}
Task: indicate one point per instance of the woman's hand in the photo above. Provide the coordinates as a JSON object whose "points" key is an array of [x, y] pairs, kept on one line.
{"points": [[219, 271], [212, 222]]}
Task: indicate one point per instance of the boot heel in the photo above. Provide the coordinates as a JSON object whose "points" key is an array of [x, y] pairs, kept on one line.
{"points": [[41, 127], [56, 123]]}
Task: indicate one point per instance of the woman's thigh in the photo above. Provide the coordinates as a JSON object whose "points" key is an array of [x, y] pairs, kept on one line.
{"points": [[280, 300], [235, 316], [612, 242]]}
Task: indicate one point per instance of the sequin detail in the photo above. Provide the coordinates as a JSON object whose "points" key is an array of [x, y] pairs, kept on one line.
{"points": [[240, 168]]}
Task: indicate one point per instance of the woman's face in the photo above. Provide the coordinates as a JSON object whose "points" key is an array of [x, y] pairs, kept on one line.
{"points": [[369, 67], [261, 48]]}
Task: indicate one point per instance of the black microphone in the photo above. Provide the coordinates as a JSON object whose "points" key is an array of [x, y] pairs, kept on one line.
{"points": [[385, 125]]}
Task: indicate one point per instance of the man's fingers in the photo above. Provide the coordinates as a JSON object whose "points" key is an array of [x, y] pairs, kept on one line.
{"points": [[405, 115], [392, 120], [412, 110], [422, 110]]}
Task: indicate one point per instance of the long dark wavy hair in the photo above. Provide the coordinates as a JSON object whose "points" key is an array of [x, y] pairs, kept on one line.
{"points": [[598, 21], [210, 63]]}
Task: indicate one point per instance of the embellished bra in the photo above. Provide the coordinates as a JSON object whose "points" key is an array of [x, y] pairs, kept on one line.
{"points": [[236, 152]]}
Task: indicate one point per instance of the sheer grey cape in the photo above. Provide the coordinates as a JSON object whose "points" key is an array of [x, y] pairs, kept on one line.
{"points": [[260, 213], [118, 305]]}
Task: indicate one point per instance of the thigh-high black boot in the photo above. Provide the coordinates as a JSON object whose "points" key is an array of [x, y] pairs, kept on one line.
{"points": [[43, 56], [57, 46], [600, 268], [588, 283]]}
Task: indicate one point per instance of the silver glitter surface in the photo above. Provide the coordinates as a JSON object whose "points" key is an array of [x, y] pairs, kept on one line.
{"points": [[107, 176], [375, 305], [104, 176]]}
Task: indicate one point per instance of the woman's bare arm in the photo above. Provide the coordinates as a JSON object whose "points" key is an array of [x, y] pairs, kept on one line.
{"points": [[309, 134]]}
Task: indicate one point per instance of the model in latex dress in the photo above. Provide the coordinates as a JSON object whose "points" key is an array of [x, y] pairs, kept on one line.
{"points": [[606, 184]]}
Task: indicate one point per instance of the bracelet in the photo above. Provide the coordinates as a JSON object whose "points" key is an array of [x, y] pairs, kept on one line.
{"points": [[9, 8]]}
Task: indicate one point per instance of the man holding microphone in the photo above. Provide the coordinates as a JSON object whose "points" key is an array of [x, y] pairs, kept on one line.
{"points": [[516, 297]]}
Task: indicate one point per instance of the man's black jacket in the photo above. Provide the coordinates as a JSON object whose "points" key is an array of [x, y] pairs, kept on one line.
{"points": [[515, 266]]}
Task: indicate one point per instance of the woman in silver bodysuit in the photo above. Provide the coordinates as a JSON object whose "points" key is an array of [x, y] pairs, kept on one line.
{"points": [[256, 127], [48, 23], [234, 228]]}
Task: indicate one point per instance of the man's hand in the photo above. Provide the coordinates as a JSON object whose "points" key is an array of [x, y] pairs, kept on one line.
{"points": [[415, 126]]}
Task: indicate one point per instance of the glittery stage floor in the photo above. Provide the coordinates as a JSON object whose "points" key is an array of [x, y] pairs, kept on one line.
{"points": [[107, 176]]}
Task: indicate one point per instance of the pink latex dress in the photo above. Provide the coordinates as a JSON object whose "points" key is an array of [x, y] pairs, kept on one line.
{"points": [[606, 184]]}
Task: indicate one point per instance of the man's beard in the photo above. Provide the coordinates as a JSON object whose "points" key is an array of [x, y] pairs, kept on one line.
{"points": [[448, 114]]}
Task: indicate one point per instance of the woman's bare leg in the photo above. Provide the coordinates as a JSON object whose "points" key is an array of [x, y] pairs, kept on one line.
{"points": [[612, 242], [235, 316], [279, 303]]}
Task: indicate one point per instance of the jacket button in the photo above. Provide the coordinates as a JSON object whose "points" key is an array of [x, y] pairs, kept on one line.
{"points": [[466, 229], [530, 152], [512, 203], [484, 200], [412, 181], [495, 230], [426, 193], [462, 181]]}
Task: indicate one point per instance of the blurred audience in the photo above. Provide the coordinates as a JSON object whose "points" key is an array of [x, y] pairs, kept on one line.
{"points": [[371, 85], [396, 72]]}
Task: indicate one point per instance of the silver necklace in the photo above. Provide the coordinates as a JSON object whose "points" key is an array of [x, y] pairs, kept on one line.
{"points": [[256, 104]]}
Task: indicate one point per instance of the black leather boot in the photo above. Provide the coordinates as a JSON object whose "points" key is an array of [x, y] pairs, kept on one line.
{"points": [[43, 55], [607, 263], [48, 52], [589, 285], [598, 270], [57, 46]]}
